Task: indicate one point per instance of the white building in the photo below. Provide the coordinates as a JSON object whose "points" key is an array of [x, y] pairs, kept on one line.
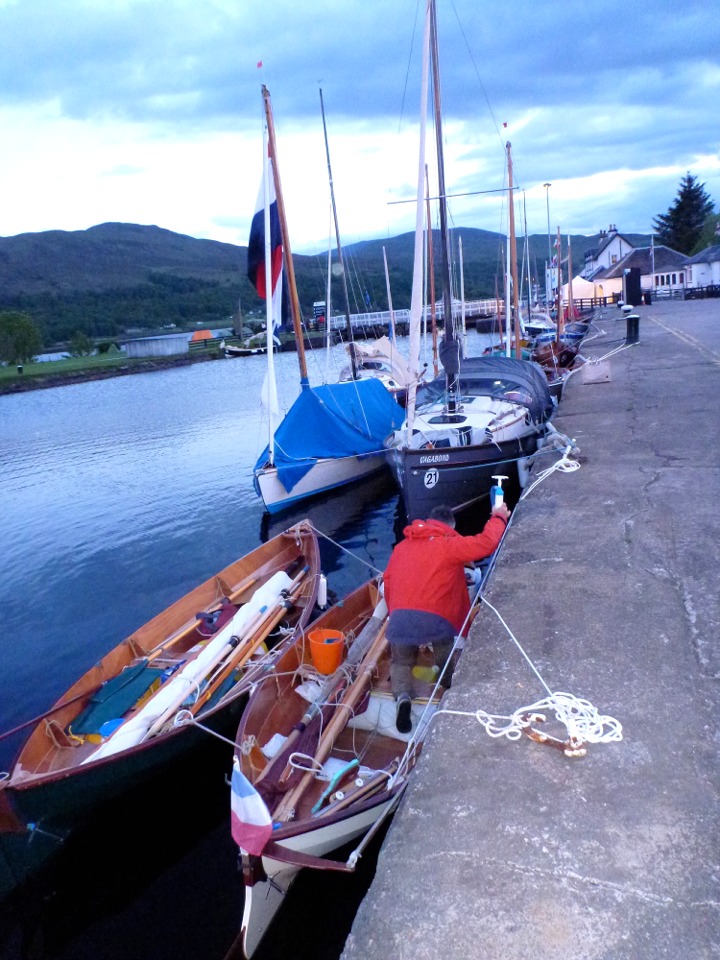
{"points": [[612, 248], [704, 268]]}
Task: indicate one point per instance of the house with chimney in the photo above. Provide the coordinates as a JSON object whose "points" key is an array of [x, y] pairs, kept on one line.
{"points": [[611, 249]]}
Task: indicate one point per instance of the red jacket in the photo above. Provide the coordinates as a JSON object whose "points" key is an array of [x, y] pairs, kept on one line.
{"points": [[426, 569]]}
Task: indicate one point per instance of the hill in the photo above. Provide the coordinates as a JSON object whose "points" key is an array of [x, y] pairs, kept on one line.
{"points": [[119, 279]]}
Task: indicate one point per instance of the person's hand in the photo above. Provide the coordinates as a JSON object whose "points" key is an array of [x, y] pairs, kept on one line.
{"points": [[501, 511]]}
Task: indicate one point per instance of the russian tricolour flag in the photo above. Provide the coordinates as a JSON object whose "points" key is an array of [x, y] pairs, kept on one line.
{"points": [[250, 820], [256, 249]]}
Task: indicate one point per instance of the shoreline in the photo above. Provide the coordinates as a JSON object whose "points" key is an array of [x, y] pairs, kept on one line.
{"points": [[43, 382]]}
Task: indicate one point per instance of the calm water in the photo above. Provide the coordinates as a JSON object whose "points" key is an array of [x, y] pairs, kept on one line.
{"points": [[117, 497]]}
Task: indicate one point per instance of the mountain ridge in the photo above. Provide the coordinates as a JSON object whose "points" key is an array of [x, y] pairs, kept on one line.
{"points": [[114, 279]]}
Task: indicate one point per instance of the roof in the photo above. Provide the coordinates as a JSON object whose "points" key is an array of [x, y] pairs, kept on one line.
{"points": [[708, 255], [646, 259], [604, 243]]}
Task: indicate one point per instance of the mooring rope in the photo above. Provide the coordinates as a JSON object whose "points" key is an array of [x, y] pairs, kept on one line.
{"points": [[335, 543]]}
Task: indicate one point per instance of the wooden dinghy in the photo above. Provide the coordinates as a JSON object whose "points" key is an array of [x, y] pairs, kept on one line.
{"points": [[127, 716], [311, 775]]}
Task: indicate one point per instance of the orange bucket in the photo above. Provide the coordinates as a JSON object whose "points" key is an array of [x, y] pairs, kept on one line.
{"points": [[326, 649]]}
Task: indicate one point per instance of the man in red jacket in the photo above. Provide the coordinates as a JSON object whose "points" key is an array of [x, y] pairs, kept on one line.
{"points": [[427, 595]]}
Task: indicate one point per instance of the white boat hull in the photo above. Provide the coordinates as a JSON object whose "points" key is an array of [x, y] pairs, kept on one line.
{"points": [[264, 899], [325, 475]]}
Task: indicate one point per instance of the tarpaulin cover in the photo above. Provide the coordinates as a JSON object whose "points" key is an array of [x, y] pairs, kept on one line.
{"points": [[493, 376], [332, 421]]}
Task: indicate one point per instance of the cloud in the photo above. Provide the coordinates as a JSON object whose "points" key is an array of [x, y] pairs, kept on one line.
{"points": [[150, 110]]}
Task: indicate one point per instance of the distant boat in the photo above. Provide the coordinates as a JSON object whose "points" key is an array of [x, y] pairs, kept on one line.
{"points": [[121, 723], [333, 434], [383, 361]]}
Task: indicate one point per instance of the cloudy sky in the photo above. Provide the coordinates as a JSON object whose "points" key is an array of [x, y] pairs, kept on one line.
{"points": [[149, 111]]}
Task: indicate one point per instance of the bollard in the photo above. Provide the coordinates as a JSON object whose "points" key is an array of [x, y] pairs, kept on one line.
{"points": [[632, 334]]}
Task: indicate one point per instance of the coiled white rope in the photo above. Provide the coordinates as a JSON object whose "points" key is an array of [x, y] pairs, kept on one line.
{"points": [[563, 465], [580, 718]]}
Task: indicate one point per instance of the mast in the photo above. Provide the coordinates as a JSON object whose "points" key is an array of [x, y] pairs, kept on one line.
{"points": [[389, 296], [513, 252], [571, 301], [270, 382], [431, 273], [416, 305], [339, 246], [287, 253], [450, 347], [559, 318]]}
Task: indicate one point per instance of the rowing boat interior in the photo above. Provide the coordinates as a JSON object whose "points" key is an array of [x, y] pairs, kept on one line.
{"points": [[62, 739], [358, 756]]}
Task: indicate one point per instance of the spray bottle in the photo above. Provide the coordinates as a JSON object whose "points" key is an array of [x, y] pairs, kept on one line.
{"points": [[496, 492]]}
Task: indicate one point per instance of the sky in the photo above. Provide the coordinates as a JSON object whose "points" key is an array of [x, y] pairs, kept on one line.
{"points": [[150, 111]]}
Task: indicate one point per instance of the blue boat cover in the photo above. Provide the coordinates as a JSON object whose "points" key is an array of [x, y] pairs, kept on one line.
{"points": [[332, 421]]}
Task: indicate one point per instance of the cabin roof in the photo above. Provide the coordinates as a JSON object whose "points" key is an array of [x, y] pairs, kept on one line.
{"points": [[647, 260], [708, 255]]}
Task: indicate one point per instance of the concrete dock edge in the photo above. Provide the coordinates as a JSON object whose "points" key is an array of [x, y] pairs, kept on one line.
{"points": [[608, 579]]}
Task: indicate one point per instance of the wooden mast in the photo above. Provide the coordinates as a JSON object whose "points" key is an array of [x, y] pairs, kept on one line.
{"points": [[559, 325], [287, 253]]}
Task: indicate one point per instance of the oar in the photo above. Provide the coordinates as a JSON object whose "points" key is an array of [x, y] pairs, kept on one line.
{"points": [[48, 713], [266, 616], [251, 645], [192, 624], [330, 688], [221, 654], [338, 722]]}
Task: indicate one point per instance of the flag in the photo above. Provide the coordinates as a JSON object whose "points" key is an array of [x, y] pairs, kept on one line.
{"points": [[250, 820], [256, 244]]}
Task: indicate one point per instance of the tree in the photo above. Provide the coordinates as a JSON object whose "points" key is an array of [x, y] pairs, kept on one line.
{"points": [[20, 338], [710, 233], [681, 226], [81, 345]]}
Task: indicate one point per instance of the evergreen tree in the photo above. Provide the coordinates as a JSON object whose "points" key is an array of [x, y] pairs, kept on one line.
{"points": [[681, 226]]}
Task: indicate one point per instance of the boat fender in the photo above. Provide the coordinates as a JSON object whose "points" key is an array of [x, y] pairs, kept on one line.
{"points": [[322, 595]]}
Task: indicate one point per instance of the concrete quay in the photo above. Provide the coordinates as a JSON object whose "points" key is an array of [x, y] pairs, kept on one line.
{"points": [[608, 578]]}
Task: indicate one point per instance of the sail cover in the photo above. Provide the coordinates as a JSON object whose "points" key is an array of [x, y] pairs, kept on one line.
{"points": [[497, 376], [332, 421]]}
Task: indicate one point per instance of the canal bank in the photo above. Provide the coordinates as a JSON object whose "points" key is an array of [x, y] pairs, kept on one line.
{"points": [[502, 849]]}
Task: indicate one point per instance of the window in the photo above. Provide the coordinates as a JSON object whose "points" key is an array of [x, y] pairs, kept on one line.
{"points": [[674, 280]]}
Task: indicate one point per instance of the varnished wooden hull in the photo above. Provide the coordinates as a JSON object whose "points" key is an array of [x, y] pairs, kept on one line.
{"points": [[56, 781]]}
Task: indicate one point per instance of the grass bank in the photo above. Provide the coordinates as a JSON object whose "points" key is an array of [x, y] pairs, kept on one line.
{"points": [[57, 373]]}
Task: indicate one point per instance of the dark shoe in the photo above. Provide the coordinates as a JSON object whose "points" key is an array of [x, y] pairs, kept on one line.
{"points": [[403, 721]]}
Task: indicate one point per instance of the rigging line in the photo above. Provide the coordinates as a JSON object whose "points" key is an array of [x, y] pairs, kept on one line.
{"points": [[454, 196], [517, 643], [345, 549], [409, 62], [477, 74]]}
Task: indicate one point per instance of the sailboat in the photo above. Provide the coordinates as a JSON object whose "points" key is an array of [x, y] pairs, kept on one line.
{"points": [[485, 414], [333, 434]]}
